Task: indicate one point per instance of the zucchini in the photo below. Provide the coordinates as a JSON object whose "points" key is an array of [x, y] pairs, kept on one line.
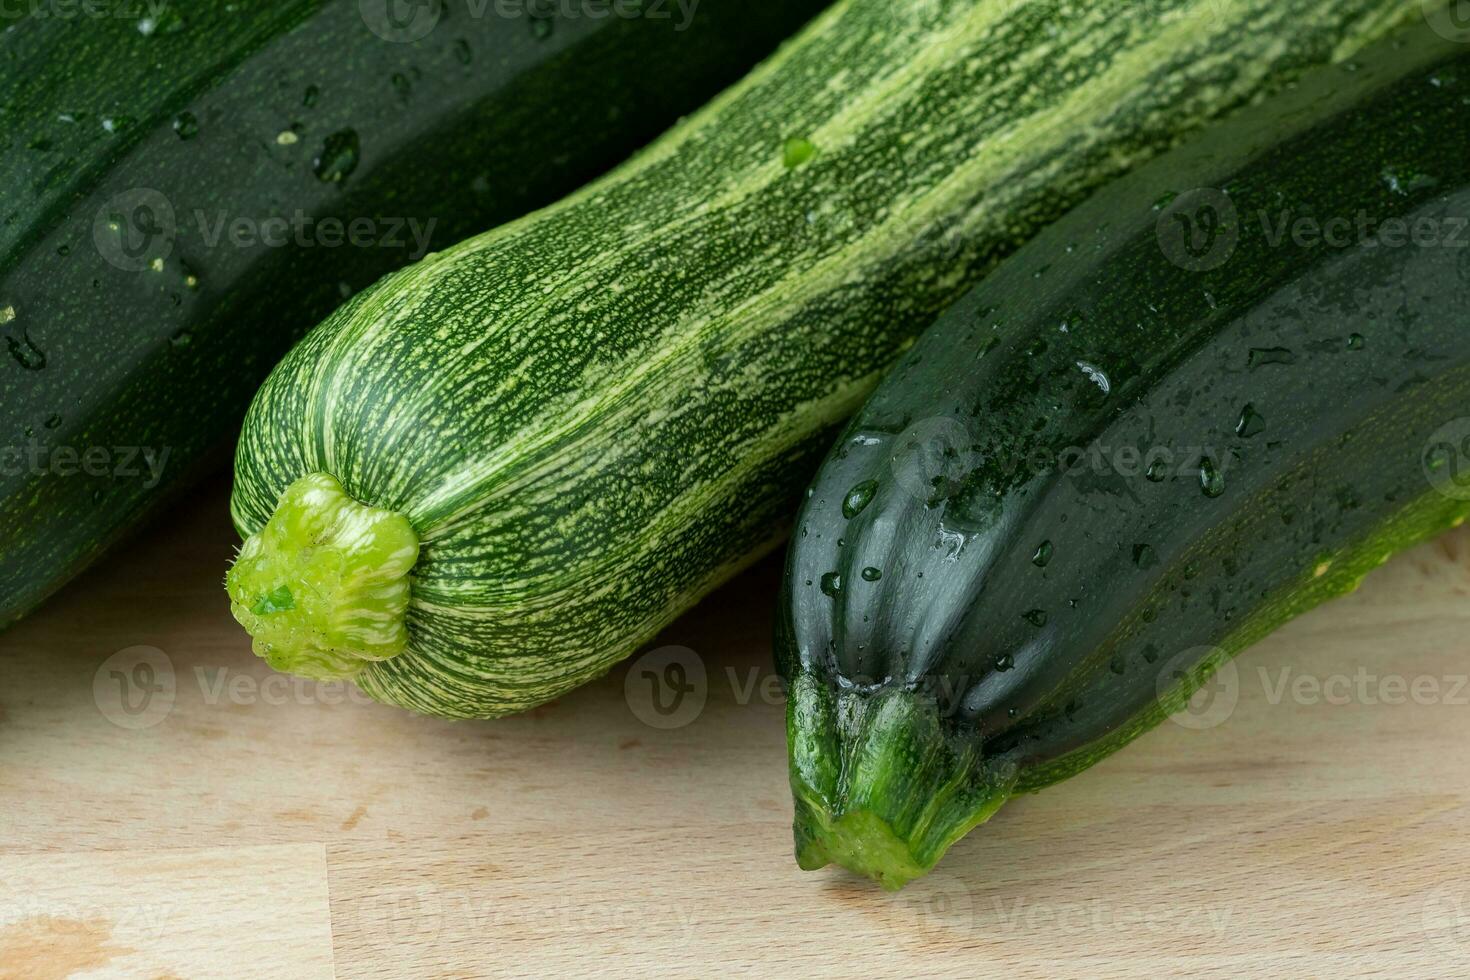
{"points": [[495, 474], [1201, 404], [136, 322]]}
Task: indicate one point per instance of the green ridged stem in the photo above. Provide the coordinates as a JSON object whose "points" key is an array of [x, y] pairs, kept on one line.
{"points": [[323, 589], [881, 787]]}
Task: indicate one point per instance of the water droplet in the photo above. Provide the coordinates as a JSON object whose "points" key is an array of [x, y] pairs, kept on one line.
{"points": [[1355, 341], [116, 124], [1158, 470], [1096, 375], [858, 498], [63, 250], [1251, 422], [186, 125], [797, 151], [25, 352], [871, 574], [1211, 480], [338, 158], [1036, 617], [832, 584], [1151, 654], [1005, 662], [1405, 181], [1042, 558], [953, 542], [1144, 556], [182, 338], [53, 422], [1118, 665], [163, 19], [1262, 356]]}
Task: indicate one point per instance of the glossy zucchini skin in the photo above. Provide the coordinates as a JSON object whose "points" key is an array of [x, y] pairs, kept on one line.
{"points": [[266, 111], [594, 416], [975, 606]]}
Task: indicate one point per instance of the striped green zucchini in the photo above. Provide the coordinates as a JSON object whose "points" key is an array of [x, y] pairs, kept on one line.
{"points": [[524, 456]]}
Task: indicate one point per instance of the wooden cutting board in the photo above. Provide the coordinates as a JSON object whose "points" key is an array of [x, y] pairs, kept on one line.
{"points": [[173, 809]]}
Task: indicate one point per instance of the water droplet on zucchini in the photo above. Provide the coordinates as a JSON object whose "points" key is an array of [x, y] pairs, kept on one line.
{"points": [[1211, 480], [1036, 617], [1250, 423], [797, 151], [1042, 558], [871, 574], [858, 498], [832, 584], [186, 125], [338, 158], [1262, 356]]}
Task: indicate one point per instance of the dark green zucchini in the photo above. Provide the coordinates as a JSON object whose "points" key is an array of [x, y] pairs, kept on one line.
{"points": [[135, 322], [1206, 401]]}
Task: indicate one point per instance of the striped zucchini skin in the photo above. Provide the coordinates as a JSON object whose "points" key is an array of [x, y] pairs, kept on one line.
{"points": [[594, 416], [189, 117], [1115, 464]]}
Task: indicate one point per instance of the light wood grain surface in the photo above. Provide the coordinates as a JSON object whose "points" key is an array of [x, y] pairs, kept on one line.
{"points": [[172, 809]]}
